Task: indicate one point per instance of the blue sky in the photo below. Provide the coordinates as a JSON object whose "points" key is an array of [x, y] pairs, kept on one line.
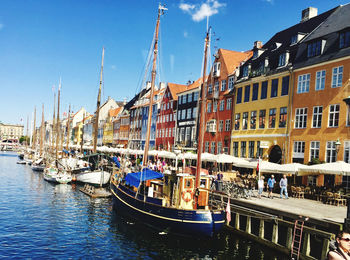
{"points": [[41, 41]]}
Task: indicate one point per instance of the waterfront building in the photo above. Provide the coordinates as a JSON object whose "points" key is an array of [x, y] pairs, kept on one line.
{"points": [[262, 103], [187, 115], [220, 99], [320, 125], [123, 137], [166, 119], [10, 131], [108, 131]]}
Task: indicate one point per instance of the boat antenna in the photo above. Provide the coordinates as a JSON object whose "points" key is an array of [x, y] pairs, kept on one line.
{"points": [[202, 105]]}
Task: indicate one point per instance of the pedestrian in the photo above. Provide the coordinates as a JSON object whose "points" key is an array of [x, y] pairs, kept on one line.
{"points": [[283, 186], [341, 249], [270, 183], [260, 186]]}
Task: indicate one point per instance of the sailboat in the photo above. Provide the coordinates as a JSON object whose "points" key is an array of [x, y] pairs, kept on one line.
{"points": [[39, 164], [178, 203]]}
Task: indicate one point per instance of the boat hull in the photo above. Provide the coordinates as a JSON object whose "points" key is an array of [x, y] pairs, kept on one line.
{"points": [[194, 223], [38, 168], [93, 177]]}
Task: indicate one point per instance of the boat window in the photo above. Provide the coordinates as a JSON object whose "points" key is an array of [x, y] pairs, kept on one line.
{"points": [[188, 183], [203, 183]]}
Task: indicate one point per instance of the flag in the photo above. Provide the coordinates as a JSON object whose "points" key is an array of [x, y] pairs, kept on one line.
{"points": [[257, 166], [228, 211]]}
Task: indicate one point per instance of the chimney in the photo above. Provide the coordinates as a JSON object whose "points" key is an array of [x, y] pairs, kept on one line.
{"points": [[258, 45], [308, 13]]}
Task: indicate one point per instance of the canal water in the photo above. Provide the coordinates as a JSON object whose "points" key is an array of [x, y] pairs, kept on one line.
{"points": [[41, 220]]}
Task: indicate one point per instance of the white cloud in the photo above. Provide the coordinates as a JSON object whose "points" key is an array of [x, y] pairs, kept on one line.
{"points": [[113, 67], [200, 11], [185, 34], [172, 62], [1, 26]]}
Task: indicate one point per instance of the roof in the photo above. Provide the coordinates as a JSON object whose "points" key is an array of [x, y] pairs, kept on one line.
{"points": [[232, 59], [115, 112], [175, 88], [194, 85]]}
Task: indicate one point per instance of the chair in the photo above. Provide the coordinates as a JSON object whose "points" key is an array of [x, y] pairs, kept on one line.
{"points": [[293, 190], [338, 200], [330, 197], [299, 193]]}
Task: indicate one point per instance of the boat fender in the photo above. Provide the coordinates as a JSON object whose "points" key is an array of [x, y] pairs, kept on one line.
{"points": [[187, 198]]}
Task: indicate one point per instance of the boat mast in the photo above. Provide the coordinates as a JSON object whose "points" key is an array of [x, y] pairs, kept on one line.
{"points": [[42, 132], [98, 104], [34, 132], [153, 75], [202, 104], [53, 122], [27, 131], [82, 135], [58, 119], [68, 125]]}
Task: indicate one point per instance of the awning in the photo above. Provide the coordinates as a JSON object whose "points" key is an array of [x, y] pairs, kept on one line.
{"points": [[335, 168], [134, 178]]}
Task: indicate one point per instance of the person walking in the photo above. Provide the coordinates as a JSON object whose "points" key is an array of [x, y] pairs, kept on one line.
{"points": [[260, 186], [270, 183], [283, 186]]}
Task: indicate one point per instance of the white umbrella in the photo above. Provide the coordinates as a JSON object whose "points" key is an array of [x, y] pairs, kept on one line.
{"points": [[241, 162], [188, 156], [338, 168], [166, 154], [291, 167], [225, 158], [209, 157]]}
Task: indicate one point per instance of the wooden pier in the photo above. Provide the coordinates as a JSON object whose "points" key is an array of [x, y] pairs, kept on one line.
{"points": [[95, 192]]}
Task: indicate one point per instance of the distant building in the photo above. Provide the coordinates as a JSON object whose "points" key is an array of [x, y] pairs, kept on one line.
{"points": [[8, 131]]}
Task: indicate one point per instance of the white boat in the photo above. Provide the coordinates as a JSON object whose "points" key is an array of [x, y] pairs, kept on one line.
{"points": [[51, 174], [98, 177], [21, 162], [38, 165]]}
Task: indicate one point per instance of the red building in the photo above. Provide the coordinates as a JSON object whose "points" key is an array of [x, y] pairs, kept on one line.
{"points": [[220, 93], [166, 120]]}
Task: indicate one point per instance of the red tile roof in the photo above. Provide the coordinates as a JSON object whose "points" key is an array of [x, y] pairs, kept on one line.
{"points": [[232, 59], [115, 112]]}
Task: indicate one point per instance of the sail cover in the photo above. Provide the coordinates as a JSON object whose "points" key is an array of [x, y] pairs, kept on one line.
{"points": [[134, 178]]}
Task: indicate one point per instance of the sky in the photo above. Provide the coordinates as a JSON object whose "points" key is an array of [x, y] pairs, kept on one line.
{"points": [[42, 41]]}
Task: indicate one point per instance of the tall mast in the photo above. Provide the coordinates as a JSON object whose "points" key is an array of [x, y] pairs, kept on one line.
{"points": [[42, 132], [34, 132], [58, 118], [150, 108], [98, 104], [82, 135], [53, 121], [202, 104], [27, 131], [68, 125]]}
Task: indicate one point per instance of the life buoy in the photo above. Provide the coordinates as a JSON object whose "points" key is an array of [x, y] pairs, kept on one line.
{"points": [[188, 197]]}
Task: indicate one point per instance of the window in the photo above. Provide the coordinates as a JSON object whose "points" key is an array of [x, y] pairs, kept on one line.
{"points": [[320, 80], [215, 106], [228, 125], [166, 132], [212, 147], [216, 86], [180, 98], [194, 114], [221, 125], [348, 116], [179, 115], [210, 89], [245, 121], [282, 60], [189, 110], [222, 105], [314, 150], [171, 104], [237, 120], [344, 39], [255, 91], [272, 118], [300, 117], [262, 115], [298, 149], [195, 96], [263, 94], [167, 105], [246, 93], [216, 69], [283, 117], [243, 149], [231, 83], [206, 147], [223, 86], [219, 147], [285, 86], [347, 151], [274, 88], [251, 149], [303, 83], [184, 99], [253, 120], [188, 134], [239, 95], [314, 49], [333, 120], [183, 116], [245, 71], [337, 77], [170, 117], [229, 104], [189, 98], [331, 152], [235, 149], [182, 134], [209, 107], [193, 133], [317, 117], [259, 151]]}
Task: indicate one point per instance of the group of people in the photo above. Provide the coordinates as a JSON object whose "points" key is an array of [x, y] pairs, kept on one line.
{"points": [[283, 183]]}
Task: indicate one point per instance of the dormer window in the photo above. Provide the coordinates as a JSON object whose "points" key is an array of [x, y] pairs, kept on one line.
{"points": [[257, 53], [344, 39], [276, 45], [283, 59], [315, 48], [296, 38], [245, 71], [216, 69]]}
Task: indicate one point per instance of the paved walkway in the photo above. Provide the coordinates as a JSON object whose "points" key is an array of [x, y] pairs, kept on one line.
{"points": [[305, 207]]}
